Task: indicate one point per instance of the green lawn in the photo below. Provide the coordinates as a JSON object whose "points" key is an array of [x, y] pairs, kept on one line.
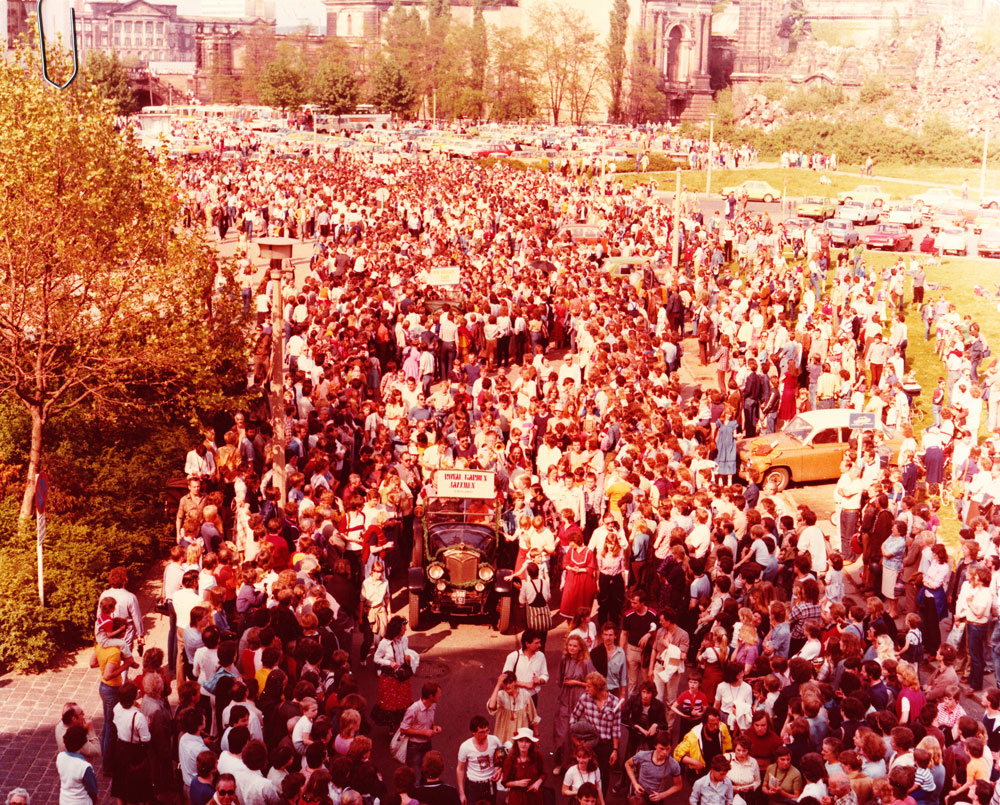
{"points": [[802, 182], [793, 182]]}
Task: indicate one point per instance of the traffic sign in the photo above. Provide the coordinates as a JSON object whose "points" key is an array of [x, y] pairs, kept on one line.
{"points": [[41, 492], [865, 421]]}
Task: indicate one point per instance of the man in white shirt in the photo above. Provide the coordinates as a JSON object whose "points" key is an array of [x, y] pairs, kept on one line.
{"points": [[191, 744], [252, 786], [812, 539], [476, 772], [528, 664]]}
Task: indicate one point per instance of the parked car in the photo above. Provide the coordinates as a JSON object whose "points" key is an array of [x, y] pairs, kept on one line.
{"points": [[870, 193], [894, 237], [754, 190], [989, 243], [952, 239], [986, 219], [842, 232], [816, 207], [905, 213], [797, 227], [935, 197], [860, 212], [945, 216], [587, 234], [809, 448]]}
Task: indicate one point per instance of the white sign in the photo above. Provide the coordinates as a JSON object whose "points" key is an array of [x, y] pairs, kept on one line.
{"points": [[444, 275], [464, 484]]}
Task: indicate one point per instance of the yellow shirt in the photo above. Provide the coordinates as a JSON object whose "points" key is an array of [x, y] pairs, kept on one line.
{"points": [[110, 654], [261, 677]]}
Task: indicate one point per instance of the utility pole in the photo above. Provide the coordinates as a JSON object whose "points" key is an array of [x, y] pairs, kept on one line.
{"points": [[675, 259], [982, 170], [711, 142], [277, 250], [278, 378]]}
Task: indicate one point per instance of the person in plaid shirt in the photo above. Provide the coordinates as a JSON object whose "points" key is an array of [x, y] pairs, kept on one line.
{"points": [[807, 609], [604, 712]]}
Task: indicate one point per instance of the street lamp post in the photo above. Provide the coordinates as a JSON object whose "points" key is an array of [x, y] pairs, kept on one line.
{"points": [[675, 258], [277, 250], [711, 142]]}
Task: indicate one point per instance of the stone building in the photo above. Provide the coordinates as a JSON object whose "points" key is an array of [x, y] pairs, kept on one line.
{"points": [[356, 20], [756, 38], [681, 43], [140, 32]]}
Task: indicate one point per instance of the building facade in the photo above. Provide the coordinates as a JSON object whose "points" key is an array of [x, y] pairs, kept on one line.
{"points": [[356, 20], [681, 36], [139, 32]]}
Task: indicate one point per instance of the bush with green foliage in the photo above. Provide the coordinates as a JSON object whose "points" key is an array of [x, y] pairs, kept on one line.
{"points": [[105, 509], [875, 89]]}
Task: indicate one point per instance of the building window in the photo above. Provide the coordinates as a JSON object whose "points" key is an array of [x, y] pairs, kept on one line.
{"points": [[149, 27], [118, 25], [159, 27], [118, 41], [159, 41], [89, 40], [128, 26], [128, 41]]}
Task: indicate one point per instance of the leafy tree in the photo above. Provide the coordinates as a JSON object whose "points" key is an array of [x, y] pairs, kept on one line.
{"points": [[335, 88], [102, 301], [392, 90], [281, 84], [646, 98], [616, 61], [108, 75], [405, 34], [567, 56], [479, 56], [261, 50], [513, 86]]}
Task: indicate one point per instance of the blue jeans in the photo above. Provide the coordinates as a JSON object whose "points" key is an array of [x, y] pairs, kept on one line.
{"points": [[770, 421], [995, 646], [976, 635], [109, 698]]}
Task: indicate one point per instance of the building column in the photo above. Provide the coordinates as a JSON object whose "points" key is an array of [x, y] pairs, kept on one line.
{"points": [[657, 40], [706, 25]]}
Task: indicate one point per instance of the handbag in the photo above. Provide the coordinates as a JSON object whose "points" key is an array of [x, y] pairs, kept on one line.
{"points": [[537, 613], [398, 745], [956, 633], [403, 672], [135, 757]]}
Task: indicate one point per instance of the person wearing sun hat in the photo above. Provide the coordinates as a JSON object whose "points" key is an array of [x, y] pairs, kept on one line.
{"points": [[523, 770]]}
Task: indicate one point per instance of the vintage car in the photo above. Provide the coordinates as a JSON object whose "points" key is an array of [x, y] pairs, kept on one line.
{"points": [[454, 569], [936, 197], [860, 212], [986, 219], [754, 190], [952, 239], [816, 207], [894, 237], [906, 213], [810, 447], [989, 243], [842, 232], [869, 193], [587, 234]]}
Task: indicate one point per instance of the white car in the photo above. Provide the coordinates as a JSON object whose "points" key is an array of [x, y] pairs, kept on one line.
{"points": [[866, 192], [860, 212], [936, 197], [905, 213], [952, 239]]}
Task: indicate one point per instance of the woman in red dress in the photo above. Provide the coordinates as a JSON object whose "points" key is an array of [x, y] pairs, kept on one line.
{"points": [[789, 389], [579, 577]]}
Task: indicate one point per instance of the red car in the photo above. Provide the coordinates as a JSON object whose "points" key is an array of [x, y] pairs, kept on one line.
{"points": [[893, 237]]}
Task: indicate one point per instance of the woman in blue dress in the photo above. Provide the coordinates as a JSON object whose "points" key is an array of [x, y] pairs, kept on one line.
{"points": [[725, 445]]}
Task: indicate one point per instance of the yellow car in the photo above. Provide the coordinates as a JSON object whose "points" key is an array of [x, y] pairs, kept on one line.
{"points": [[816, 207], [809, 448]]}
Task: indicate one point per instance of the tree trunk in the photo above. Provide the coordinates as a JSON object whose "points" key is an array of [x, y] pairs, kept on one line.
{"points": [[34, 460]]}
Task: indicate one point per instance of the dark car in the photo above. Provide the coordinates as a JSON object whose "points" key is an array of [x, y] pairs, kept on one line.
{"points": [[894, 237], [455, 565]]}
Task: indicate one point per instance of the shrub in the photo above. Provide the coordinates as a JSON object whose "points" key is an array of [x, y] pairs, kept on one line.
{"points": [[76, 560], [875, 89]]}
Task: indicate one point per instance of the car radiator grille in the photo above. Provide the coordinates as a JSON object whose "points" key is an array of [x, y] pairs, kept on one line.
{"points": [[462, 567]]}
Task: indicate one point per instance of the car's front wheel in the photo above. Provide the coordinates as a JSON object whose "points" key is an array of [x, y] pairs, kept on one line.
{"points": [[503, 618], [779, 476], [768, 198]]}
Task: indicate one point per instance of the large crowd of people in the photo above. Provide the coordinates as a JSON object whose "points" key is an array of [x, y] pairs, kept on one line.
{"points": [[720, 646]]}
